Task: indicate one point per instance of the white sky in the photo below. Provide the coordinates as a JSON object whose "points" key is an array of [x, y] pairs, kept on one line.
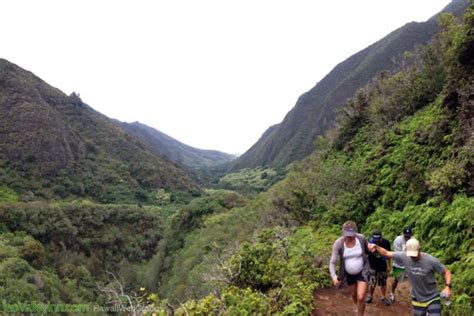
{"points": [[212, 74]]}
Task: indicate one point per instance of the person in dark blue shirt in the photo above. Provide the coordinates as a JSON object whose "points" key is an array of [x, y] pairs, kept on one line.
{"points": [[379, 268]]}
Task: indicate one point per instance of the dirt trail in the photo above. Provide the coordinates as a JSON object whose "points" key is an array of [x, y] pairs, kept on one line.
{"points": [[337, 302]]}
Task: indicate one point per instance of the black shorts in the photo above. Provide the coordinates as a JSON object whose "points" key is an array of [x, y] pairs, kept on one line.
{"points": [[352, 279]]}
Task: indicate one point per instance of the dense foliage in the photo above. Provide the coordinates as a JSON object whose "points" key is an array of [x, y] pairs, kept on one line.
{"points": [[401, 155], [189, 240], [60, 252], [250, 180]]}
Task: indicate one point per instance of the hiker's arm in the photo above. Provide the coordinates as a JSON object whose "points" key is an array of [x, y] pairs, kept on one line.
{"points": [[447, 278], [389, 260], [332, 265], [382, 251], [389, 263]]}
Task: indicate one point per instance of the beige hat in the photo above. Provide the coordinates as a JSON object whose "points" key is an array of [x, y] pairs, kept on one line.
{"points": [[412, 247]]}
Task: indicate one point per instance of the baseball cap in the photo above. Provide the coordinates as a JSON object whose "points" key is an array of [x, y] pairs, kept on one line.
{"points": [[377, 234], [407, 231], [412, 247]]}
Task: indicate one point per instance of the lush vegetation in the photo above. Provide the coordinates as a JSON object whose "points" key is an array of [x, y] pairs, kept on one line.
{"points": [[250, 180], [402, 154], [61, 252], [174, 150], [54, 146], [314, 112]]}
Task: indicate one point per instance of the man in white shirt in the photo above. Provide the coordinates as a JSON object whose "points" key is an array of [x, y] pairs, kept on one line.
{"points": [[398, 267]]}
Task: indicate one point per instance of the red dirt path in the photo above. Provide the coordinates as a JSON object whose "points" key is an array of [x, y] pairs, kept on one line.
{"points": [[338, 302]]}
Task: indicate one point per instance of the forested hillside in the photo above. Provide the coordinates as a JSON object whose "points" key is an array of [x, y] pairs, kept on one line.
{"points": [[61, 252], [401, 153], [56, 146], [174, 150], [315, 111]]}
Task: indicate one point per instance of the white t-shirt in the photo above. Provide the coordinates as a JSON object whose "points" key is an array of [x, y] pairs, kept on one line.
{"points": [[353, 261], [399, 245]]}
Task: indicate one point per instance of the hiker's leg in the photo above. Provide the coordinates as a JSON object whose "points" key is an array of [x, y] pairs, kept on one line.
{"points": [[392, 293], [353, 290], [372, 282], [371, 290], [382, 282], [394, 285], [351, 285], [396, 274], [361, 291]]}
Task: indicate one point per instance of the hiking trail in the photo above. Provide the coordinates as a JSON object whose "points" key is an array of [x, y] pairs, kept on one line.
{"points": [[338, 302]]}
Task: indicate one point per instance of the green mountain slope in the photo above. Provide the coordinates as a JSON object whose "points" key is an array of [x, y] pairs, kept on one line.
{"points": [[402, 155], [54, 145], [174, 150], [315, 110]]}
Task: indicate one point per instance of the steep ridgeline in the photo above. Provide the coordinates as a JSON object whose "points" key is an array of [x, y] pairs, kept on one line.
{"points": [[173, 149], [315, 111], [55, 146]]}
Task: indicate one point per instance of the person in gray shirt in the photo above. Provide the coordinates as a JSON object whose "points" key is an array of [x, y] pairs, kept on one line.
{"points": [[398, 267], [420, 269]]}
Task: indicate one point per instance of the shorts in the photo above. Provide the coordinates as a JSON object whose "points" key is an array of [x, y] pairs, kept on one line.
{"points": [[352, 279], [399, 274], [378, 278], [432, 308]]}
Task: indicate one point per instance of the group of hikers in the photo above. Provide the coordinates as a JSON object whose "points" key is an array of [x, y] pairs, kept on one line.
{"points": [[366, 264]]}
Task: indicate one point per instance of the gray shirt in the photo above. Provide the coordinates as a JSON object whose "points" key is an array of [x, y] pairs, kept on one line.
{"points": [[399, 245], [421, 275]]}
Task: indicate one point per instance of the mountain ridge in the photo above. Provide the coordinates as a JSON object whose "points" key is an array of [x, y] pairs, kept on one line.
{"points": [[56, 145], [315, 110], [173, 149]]}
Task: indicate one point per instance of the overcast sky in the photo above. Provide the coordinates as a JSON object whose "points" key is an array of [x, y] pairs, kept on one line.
{"points": [[212, 74]]}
